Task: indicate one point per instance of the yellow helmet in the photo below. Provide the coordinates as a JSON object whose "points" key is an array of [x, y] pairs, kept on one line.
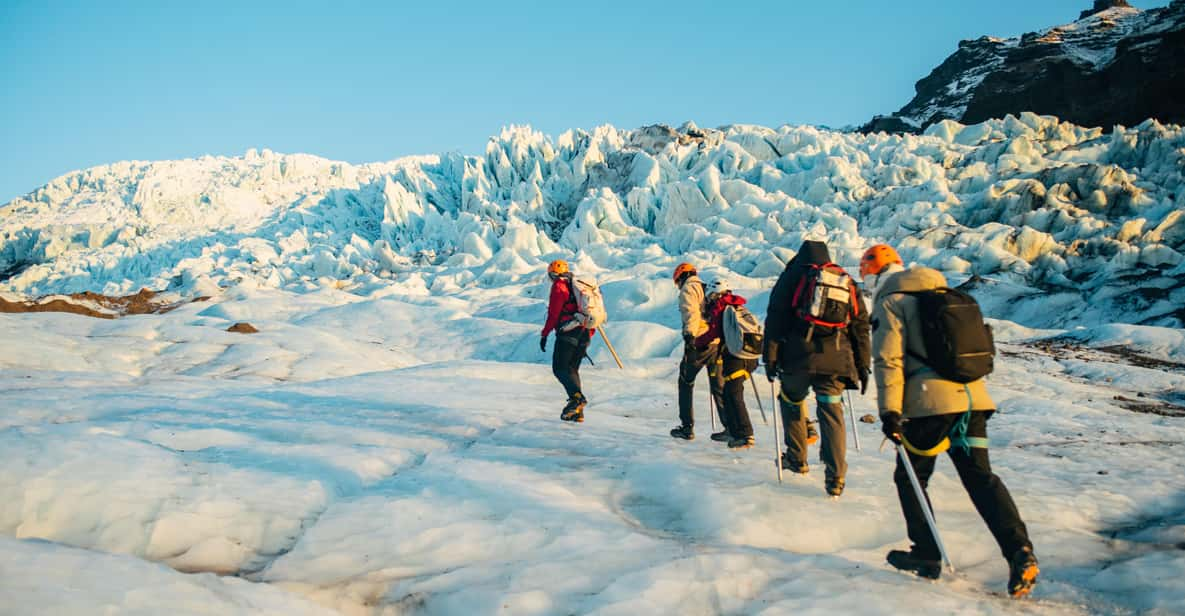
{"points": [[681, 270], [558, 267]]}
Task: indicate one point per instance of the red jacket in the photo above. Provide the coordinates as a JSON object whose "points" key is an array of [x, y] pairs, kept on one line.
{"points": [[562, 304], [714, 314]]}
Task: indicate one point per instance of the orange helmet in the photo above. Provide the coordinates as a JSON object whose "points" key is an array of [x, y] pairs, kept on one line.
{"points": [[876, 258], [559, 267], [681, 270]]}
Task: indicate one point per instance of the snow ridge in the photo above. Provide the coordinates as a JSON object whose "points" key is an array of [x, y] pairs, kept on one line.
{"points": [[1044, 212]]}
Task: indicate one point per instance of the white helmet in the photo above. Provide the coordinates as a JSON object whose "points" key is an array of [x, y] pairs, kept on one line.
{"points": [[719, 285]]}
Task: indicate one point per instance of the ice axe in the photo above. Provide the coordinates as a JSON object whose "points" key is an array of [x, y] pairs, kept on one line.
{"points": [[601, 330], [925, 504], [773, 401], [855, 426]]}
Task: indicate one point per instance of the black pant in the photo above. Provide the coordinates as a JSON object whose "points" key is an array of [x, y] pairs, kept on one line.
{"points": [[987, 492], [693, 361], [569, 351], [828, 394], [734, 371]]}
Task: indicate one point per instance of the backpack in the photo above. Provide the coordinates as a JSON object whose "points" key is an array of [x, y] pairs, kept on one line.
{"points": [[742, 333], [590, 304], [825, 297], [959, 345]]}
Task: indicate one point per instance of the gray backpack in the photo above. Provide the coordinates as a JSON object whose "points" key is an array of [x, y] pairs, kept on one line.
{"points": [[742, 333]]}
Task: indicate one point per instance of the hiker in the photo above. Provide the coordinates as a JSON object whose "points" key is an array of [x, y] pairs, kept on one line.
{"points": [[728, 368], [571, 339], [929, 413], [816, 337], [695, 355]]}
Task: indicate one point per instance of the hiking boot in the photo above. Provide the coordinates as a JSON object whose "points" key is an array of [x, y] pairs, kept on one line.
{"points": [[908, 561], [574, 410], [741, 442], [834, 487], [683, 432], [722, 436], [794, 467], [1022, 573], [812, 435]]}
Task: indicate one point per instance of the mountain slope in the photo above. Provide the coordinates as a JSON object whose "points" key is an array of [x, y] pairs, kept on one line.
{"points": [[1115, 65]]}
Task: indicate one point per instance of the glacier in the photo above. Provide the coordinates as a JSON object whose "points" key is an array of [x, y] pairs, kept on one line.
{"points": [[389, 442], [1044, 212]]}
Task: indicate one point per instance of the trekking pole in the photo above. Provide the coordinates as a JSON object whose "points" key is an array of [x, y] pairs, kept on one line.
{"points": [[757, 395], [601, 330], [711, 404], [773, 401], [855, 426], [925, 505]]}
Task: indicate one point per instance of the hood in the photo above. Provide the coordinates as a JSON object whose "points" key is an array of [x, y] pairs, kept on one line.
{"points": [[692, 278], [811, 252], [728, 299], [913, 279]]}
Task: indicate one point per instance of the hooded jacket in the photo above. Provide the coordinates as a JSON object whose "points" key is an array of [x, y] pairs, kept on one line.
{"points": [[691, 306], [904, 384], [561, 305], [844, 353]]}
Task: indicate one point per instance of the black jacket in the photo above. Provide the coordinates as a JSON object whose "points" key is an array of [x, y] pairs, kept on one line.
{"points": [[844, 353]]}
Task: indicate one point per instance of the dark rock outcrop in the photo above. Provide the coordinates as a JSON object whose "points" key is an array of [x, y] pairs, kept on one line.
{"points": [[1115, 65], [1102, 5], [243, 328]]}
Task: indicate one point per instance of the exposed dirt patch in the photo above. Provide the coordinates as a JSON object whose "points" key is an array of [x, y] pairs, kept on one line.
{"points": [[1150, 405], [243, 328], [1068, 348], [1163, 403], [96, 305]]}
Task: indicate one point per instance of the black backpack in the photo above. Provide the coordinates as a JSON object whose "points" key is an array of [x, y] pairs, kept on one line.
{"points": [[959, 345]]}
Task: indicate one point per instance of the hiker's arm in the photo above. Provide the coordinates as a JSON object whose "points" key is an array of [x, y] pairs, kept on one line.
{"points": [[559, 297], [888, 344]]}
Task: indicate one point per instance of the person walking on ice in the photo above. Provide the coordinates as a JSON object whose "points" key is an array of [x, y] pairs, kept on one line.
{"points": [[571, 339], [730, 369], [695, 355], [816, 337], [931, 351]]}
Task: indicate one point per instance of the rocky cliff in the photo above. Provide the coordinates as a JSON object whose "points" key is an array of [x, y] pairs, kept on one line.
{"points": [[1115, 65]]}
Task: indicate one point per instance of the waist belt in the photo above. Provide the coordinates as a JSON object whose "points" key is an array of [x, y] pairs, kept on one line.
{"points": [[957, 438]]}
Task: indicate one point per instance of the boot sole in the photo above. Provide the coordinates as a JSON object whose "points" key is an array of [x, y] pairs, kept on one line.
{"points": [[1028, 580]]}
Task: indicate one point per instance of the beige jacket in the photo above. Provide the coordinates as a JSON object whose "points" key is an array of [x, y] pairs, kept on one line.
{"points": [[691, 307], [903, 382]]}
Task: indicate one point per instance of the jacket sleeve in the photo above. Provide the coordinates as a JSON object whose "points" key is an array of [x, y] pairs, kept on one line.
{"points": [[776, 323], [888, 348], [555, 306], [858, 334], [691, 308]]}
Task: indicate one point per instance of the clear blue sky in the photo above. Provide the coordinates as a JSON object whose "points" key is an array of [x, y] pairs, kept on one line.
{"points": [[86, 83]]}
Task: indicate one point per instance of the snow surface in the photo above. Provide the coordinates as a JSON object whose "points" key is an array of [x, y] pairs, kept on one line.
{"points": [[388, 443], [401, 453]]}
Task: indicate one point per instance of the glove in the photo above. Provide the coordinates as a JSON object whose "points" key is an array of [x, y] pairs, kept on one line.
{"points": [[891, 426], [543, 343], [863, 383], [688, 339], [770, 357]]}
